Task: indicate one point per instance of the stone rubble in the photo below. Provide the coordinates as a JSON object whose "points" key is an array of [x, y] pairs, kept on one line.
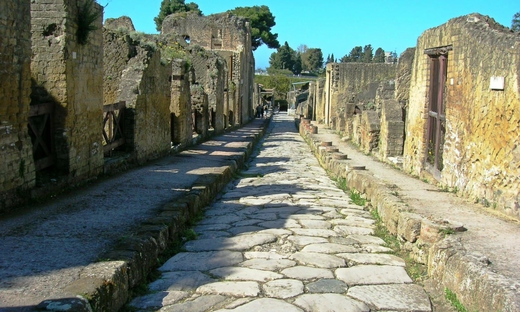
{"points": [[284, 238]]}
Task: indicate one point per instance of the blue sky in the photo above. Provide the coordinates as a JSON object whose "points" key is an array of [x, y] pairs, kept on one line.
{"points": [[334, 26]]}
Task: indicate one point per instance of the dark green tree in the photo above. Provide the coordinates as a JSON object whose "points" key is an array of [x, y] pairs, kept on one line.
{"points": [[379, 57], [312, 59], [284, 58], [297, 65], [174, 6], [261, 21], [355, 55], [367, 54], [515, 23]]}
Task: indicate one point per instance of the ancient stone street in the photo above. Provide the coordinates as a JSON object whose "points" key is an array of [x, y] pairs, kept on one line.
{"points": [[284, 237]]}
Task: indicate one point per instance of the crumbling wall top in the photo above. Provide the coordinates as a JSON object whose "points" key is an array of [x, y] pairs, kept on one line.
{"points": [[121, 22]]}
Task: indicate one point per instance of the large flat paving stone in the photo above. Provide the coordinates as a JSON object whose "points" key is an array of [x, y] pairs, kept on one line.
{"points": [[396, 297], [231, 288], [244, 274], [158, 300], [268, 264], [364, 258], [318, 260], [239, 242], [327, 285], [180, 281], [330, 302], [307, 273], [315, 232], [306, 240], [373, 274], [365, 239], [329, 248], [202, 261], [283, 288], [353, 230], [266, 304], [202, 303], [315, 224]]}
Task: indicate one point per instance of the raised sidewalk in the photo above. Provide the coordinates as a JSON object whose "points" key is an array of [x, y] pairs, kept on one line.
{"points": [[468, 248], [101, 241]]}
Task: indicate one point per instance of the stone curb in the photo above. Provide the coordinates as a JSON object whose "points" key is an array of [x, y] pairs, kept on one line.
{"points": [[449, 265], [106, 285]]}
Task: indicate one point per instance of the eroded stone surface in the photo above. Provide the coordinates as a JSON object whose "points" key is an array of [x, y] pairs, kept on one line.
{"points": [[284, 240], [373, 274], [393, 297], [283, 288], [330, 302]]}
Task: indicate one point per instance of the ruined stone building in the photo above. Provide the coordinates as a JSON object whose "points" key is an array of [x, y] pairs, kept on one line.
{"points": [[79, 95], [447, 112], [463, 117], [228, 36]]}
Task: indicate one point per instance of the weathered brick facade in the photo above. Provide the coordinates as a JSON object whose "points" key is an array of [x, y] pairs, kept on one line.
{"points": [[230, 37], [17, 167], [348, 85], [70, 75], [180, 107], [479, 151], [135, 74]]}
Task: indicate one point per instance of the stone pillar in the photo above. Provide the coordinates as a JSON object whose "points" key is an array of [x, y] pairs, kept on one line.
{"points": [[180, 107]]}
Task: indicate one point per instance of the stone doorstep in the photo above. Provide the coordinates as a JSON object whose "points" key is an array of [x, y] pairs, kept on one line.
{"points": [[105, 285], [444, 255]]}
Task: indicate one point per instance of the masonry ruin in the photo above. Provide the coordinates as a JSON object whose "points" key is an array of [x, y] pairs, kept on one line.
{"points": [[89, 98], [447, 112]]}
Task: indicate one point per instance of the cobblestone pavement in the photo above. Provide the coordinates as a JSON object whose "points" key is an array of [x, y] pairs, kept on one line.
{"points": [[284, 237]]}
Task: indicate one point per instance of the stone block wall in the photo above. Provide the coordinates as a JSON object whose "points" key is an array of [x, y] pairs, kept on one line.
{"points": [[352, 83], [229, 36], [180, 107], [145, 87], [200, 110], [118, 50], [69, 74], [369, 127], [481, 155], [135, 73], [210, 73], [391, 138], [17, 167]]}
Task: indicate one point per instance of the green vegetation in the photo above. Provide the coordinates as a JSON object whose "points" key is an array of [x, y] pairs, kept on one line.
{"points": [[452, 298], [415, 270], [261, 21], [174, 6], [515, 22], [364, 55], [88, 14], [357, 199]]}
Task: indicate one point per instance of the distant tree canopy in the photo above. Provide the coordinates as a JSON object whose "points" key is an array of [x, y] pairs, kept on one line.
{"points": [[312, 59], [308, 59], [284, 58], [261, 21], [379, 57], [174, 6], [364, 55], [515, 23]]}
